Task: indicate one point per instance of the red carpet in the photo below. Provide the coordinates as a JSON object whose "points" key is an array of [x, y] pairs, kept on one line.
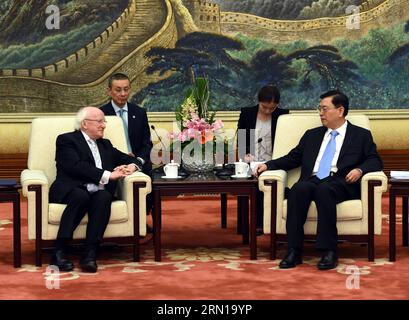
{"points": [[203, 261]]}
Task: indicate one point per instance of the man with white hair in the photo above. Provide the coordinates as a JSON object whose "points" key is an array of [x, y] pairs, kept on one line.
{"points": [[88, 168]]}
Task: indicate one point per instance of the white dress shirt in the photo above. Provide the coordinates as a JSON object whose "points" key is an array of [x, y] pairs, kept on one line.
{"points": [[92, 144], [117, 109], [339, 140]]}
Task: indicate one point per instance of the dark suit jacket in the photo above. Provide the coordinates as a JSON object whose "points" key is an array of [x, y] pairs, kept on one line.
{"points": [[357, 151], [138, 131], [76, 165], [248, 119]]}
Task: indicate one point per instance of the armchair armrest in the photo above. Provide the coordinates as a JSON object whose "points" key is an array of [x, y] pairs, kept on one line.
{"points": [[374, 176], [33, 177], [128, 182], [134, 189], [373, 184], [276, 175]]}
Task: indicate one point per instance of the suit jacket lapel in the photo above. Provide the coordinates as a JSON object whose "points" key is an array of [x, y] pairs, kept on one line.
{"points": [[315, 148], [102, 153], [131, 119], [83, 144], [110, 111], [253, 119], [347, 140]]}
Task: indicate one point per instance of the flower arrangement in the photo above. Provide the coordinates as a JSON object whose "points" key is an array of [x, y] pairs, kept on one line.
{"points": [[199, 130]]}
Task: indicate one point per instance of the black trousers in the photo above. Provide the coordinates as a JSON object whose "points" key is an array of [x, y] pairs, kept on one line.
{"points": [[326, 194], [79, 202]]}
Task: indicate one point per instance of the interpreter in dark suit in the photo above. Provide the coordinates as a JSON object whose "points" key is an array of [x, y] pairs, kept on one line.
{"points": [[258, 124], [333, 158], [88, 168], [136, 124]]}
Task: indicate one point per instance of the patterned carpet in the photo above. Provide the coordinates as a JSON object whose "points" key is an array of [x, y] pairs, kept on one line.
{"points": [[203, 261]]}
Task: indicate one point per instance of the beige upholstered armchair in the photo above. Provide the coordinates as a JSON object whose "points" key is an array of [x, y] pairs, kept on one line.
{"points": [[357, 220], [128, 214]]}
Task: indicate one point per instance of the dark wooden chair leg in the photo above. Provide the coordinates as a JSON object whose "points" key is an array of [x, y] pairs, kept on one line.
{"points": [[16, 231], [223, 204], [239, 216], [38, 253], [157, 225], [273, 246], [392, 226], [371, 218], [39, 214], [244, 217], [136, 226], [405, 221], [371, 249]]}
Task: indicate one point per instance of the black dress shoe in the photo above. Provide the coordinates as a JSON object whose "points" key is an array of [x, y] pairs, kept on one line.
{"points": [[292, 258], [89, 262], [259, 232], [58, 260], [149, 229], [328, 261]]}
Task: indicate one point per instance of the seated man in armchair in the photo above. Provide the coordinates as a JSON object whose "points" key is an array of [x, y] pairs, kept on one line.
{"points": [[333, 158], [88, 168]]}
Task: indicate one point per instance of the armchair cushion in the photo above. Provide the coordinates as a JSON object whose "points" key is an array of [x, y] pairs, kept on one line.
{"points": [[119, 213]]}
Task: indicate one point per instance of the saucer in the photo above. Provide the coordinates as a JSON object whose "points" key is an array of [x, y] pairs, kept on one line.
{"points": [[165, 177], [240, 177]]}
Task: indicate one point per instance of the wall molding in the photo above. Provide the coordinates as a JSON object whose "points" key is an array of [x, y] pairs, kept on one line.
{"points": [[378, 114]]}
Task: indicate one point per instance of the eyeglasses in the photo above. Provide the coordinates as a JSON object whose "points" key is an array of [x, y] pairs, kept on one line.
{"points": [[324, 109], [98, 121]]}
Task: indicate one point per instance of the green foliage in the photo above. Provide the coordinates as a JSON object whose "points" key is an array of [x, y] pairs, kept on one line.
{"points": [[50, 50], [200, 92], [372, 70], [251, 47], [22, 21]]}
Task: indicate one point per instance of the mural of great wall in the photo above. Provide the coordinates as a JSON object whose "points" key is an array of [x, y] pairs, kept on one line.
{"points": [[80, 78]]}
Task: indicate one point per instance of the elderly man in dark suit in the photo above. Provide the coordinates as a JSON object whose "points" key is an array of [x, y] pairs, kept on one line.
{"points": [[88, 168], [333, 159]]}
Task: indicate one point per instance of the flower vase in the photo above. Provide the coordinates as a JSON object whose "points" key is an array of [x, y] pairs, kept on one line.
{"points": [[197, 158]]}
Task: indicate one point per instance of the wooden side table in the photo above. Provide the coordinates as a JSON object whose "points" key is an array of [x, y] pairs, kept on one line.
{"points": [[9, 193], [398, 188]]}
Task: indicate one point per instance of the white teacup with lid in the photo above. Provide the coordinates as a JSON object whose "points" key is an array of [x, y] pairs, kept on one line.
{"points": [[241, 168], [171, 170]]}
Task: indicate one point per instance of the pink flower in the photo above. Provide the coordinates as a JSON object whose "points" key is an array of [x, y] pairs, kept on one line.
{"points": [[218, 124], [182, 136]]}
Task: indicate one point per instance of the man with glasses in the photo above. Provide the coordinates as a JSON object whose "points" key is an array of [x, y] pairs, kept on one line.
{"points": [[333, 159], [88, 168]]}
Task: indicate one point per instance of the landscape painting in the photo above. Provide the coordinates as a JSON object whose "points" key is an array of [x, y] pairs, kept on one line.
{"points": [[304, 47]]}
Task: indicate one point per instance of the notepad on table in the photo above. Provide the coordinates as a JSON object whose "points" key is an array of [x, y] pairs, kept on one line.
{"points": [[400, 174]]}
